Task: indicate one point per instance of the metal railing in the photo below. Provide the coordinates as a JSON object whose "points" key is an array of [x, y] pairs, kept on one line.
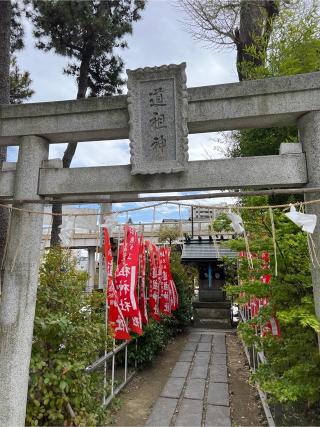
{"points": [[107, 362], [255, 359]]}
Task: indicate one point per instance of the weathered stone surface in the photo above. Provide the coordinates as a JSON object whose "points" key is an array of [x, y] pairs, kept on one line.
{"points": [[254, 172], [206, 338], [202, 358], [290, 148], [162, 412], [173, 387], [158, 109], [186, 356], [219, 347], [220, 338], [219, 359], [195, 389], [199, 370], [218, 416], [309, 134], [219, 373], [180, 370], [7, 183], [194, 338], [204, 346], [262, 103], [190, 413], [191, 346], [19, 284], [218, 394]]}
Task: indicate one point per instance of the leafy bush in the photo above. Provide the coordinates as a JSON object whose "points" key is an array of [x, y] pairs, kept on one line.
{"points": [[291, 373], [183, 276], [69, 332]]}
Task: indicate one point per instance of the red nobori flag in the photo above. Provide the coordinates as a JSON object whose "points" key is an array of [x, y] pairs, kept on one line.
{"points": [[135, 323], [272, 327], [142, 283], [126, 277], [115, 315], [164, 301], [153, 281], [174, 298]]}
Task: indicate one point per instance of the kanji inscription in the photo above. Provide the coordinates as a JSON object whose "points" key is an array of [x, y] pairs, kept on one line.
{"points": [[158, 107]]}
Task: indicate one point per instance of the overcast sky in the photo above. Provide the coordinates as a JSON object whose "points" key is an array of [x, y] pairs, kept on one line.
{"points": [[158, 38]]}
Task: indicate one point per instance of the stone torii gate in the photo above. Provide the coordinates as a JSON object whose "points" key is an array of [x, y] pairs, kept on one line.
{"points": [[157, 114]]}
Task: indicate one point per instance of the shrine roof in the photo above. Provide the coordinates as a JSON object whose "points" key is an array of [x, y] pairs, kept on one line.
{"points": [[205, 251]]}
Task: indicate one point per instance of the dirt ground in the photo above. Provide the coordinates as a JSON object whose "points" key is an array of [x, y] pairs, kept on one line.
{"points": [[246, 407], [137, 398]]}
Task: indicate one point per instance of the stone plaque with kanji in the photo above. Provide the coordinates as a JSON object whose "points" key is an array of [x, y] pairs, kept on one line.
{"points": [[158, 109]]}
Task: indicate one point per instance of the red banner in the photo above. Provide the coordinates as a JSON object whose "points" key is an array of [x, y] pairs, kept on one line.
{"points": [[115, 315], [272, 327], [153, 281], [142, 283], [165, 287], [126, 278]]}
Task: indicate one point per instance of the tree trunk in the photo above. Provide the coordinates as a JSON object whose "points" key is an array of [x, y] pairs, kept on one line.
{"points": [[256, 19], [70, 151], [5, 18]]}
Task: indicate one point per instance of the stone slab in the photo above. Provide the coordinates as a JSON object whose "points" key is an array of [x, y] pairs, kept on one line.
{"points": [[180, 370], [219, 359], [263, 103], [218, 394], [162, 412], [195, 389], [191, 345], [158, 109], [199, 370], [186, 356], [254, 172], [173, 387], [194, 338], [218, 416], [220, 337], [219, 347], [202, 358], [204, 346], [190, 413], [206, 338], [219, 373]]}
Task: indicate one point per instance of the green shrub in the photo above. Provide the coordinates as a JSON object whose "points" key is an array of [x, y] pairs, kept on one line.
{"points": [[69, 333], [291, 373], [183, 276]]}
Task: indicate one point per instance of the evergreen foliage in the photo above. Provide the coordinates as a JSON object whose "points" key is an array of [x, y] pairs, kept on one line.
{"points": [[20, 84], [87, 32]]}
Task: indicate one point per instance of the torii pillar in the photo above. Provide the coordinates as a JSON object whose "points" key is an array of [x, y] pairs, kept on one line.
{"points": [[19, 283], [309, 135]]}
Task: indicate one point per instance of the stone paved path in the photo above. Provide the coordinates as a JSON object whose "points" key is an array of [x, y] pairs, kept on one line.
{"points": [[196, 393]]}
